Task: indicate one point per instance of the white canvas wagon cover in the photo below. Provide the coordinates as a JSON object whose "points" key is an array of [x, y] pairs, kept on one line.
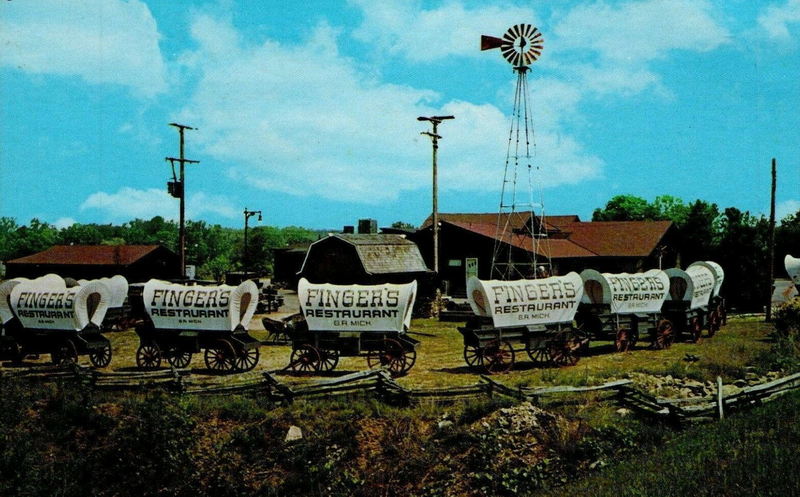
{"points": [[716, 270], [793, 268], [118, 285], [47, 303], [626, 293], [5, 298], [328, 307], [695, 285], [195, 307], [526, 302]]}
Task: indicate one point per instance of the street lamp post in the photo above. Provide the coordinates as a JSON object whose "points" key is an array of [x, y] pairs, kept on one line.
{"points": [[247, 215], [435, 121]]}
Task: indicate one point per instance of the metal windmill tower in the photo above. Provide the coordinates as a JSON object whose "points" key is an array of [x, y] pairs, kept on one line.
{"points": [[521, 246]]}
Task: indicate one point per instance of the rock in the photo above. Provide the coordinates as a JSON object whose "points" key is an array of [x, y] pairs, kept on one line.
{"points": [[740, 383], [623, 411], [445, 424], [294, 434]]}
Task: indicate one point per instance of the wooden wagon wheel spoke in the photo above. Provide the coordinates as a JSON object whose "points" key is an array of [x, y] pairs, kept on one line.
{"points": [[498, 357], [564, 349], [713, 323], [392, 356], [178, 359], [473, 356], [696, 330], [148, 356], [220, 356], [305, 359], [247, 359], [622, 340], [65, 354], [329, 359], [539, 355], [664, 335], [101, 358]]}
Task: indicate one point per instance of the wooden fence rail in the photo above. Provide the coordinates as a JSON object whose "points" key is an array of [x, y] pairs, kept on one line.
{"points": [[380, 384]]}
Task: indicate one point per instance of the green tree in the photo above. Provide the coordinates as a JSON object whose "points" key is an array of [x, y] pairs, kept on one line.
{"points": [[743, 253], [625, 208]]}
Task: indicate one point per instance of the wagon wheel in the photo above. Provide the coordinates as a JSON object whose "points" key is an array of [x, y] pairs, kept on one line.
{"points": [[634, 337], [540, 355], [585, 330], [100, 358], [247, 359], [723, 314], [329, 360], [564, 349], [713, 323], [393, 356], [664, 335], [622, 340], [65, 354], [148, 356], [305, 359], [473, 356], [178, 359], [220, 356], [498, 357], [696, 330]]}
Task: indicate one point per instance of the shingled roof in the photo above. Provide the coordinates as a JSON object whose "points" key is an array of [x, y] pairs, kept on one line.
{"points": [[386, 254], [110, 255], [569, 237]]}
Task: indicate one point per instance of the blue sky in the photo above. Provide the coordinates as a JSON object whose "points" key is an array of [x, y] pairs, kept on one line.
{"points": [[307, 110]]}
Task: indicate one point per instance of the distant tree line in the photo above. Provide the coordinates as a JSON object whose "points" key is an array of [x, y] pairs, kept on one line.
{"points": [[737, 240], [213, 249]]}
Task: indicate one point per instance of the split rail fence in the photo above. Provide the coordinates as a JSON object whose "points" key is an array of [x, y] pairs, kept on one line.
{"points": [[380, 384]]}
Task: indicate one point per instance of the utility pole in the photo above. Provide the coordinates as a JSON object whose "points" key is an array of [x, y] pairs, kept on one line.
{"points": [[177, 189], [247, 215], [771, 248], [435, 121]]}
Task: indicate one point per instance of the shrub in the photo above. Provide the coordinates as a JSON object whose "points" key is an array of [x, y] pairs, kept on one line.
{"points": [[787, 318]]}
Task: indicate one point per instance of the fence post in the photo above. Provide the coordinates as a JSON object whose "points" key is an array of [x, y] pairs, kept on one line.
{"points": [[719, 398]]}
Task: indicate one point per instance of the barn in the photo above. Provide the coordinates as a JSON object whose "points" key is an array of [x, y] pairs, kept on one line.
{"points": [[137, 263], [347, 259], [467, 241]]}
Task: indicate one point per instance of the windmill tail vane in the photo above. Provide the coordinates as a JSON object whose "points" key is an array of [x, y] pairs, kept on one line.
{"points": [[521, 45]]}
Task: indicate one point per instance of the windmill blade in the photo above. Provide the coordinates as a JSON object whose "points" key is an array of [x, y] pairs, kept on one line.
{"points": [[490, 42]]}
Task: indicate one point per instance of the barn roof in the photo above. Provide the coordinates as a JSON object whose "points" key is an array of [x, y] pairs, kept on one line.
{"points": [[97, 255], [385, 253], [619, 238], [568, 236], [558, 247]]}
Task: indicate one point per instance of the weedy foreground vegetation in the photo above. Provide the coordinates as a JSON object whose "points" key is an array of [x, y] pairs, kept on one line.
{"points": [[64, 439]]}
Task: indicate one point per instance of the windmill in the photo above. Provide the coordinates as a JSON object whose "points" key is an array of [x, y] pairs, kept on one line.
{"points": [[521, 247]]}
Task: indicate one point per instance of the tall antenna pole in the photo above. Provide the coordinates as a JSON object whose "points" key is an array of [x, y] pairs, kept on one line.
{"points": [[435, 121], [771, 256], [180, 190]]}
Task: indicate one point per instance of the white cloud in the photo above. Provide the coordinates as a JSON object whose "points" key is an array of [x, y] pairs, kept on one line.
{"points": [[64, 222], [130, 203], [775, 20], [303, 119], [102, 41], [405, 28], [622, 39]]}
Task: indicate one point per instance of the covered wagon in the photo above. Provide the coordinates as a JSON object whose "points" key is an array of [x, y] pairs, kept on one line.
{"points": [[717, 314], [531, 315], [183, 320], [623, 306], [686, 306], [792, 265], [46, 316], [353, 320]]}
